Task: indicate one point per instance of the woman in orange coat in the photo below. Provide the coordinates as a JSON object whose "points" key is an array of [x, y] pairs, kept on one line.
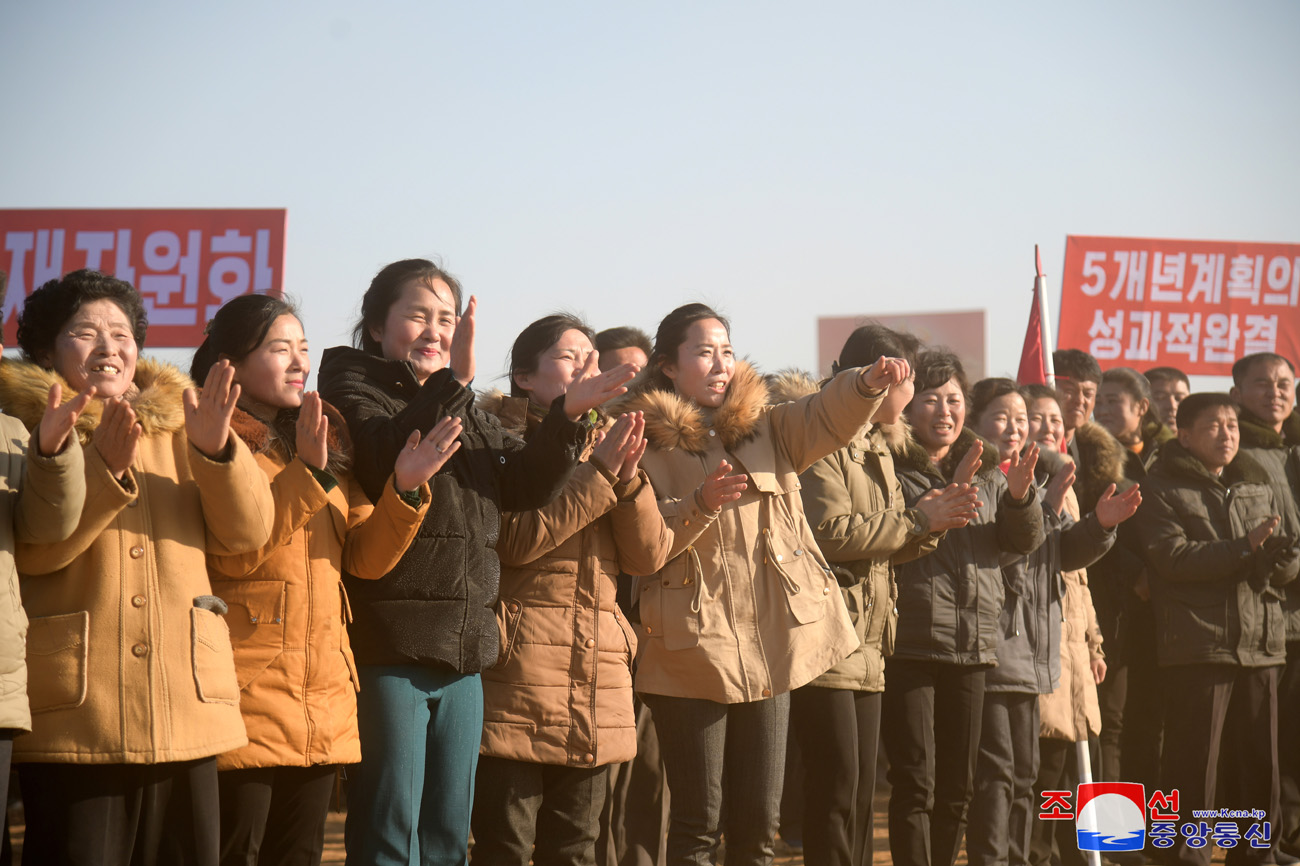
{"points": [[287, 606]]}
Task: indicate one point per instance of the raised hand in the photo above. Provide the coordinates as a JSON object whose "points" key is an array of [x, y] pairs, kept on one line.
{"points": [[886, 373], [950, 508], [593, 387], [462, 344], [59, 420], [1020, 474], [1113, 510], [720, 487], [636, 449], [312, 431], [207, 415], [612, 445], [420, 459], [1264, 530], [1054, 495], [117, 436], [969, 464]]}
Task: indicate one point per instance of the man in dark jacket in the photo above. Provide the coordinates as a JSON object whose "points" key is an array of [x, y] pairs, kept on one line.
{"points": [[1215, 577], [1264, 386]]}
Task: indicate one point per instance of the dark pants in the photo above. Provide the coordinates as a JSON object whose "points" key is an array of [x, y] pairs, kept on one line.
{"points": [[1003, 809], [1144, 712], [121, 814], [1288, 748], [838, 731], [1112, 692], [1206, 706], [545, 813], [6, 761], [1058, 770], [634, 822], [707, 745], [274, 816], [930, 720]]}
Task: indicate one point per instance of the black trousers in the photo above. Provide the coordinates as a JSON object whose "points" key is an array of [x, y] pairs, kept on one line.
{"points": [[1112, 693], [1206, 706], [121, 814], [1058, 770], [930, 720], [634, 822], [1002, 811], [1144, 711], [1288, 748], [838, 731], [274, 816], [546, 813], [6, 761]]}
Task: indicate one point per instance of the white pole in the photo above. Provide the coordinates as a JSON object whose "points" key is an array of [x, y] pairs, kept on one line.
{"points": [[1085, 776], [1040, 289]]}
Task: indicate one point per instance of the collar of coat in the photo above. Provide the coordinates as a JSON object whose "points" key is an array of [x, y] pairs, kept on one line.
{"points": [[792, 384], [158, 402], [1178, 462], [279, 435], [1101, 456], [916, 458], [1256, 434], [1155, 434], [673, 422], [516, 414]]}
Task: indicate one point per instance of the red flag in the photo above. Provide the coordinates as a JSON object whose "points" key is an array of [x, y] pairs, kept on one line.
{"points": [[1035, 361]]}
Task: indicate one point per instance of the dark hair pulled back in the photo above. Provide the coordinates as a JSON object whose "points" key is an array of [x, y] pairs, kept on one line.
{"points": [[386, 288], [526, 353], [237, 329], [671, 335]]}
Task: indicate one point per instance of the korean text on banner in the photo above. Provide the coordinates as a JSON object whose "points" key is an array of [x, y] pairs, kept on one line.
{"points": [[185, 263], [1194, 305]]}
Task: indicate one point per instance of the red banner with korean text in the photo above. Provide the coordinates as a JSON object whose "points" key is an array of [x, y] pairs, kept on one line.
{"points": [[185, 263], [1194, 305]]}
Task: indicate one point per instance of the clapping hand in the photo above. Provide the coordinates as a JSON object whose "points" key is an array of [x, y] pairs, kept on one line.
{"points": [[421, 458], [593, 387], [720, 487], [313, 430], [462, 344], [117, 436], [1020, 474], [1113, 510], [60, 419], [970, 464], [207, 415], [950, 508], [620, 449], [1054, 494]]}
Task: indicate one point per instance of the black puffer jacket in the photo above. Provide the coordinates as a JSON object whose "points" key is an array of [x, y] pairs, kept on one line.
{"points": [[437, 606]]}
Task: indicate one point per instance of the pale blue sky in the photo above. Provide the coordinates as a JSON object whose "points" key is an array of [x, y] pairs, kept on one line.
{"points": [[779, 160]]}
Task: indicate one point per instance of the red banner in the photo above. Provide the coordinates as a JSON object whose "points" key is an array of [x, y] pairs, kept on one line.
{"points": [[1194, 305], [185, 263]]}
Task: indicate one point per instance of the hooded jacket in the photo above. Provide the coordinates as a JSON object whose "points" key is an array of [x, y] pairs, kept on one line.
{"points": [[436, 607], [854, 502], [128, 661], [950, 602], [1215, 600], [287, 606], [561, 691], [746, 607], [1279, 455], [40, 503]]}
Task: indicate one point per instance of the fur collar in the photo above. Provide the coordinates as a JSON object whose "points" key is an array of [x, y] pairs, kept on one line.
{"points": [[790, 384], [673, 422], [916, 458], [25, 387], [516, 414], [1176, 461], [1101, 461], [1256, 434], [279, 436], [1155, 434]]}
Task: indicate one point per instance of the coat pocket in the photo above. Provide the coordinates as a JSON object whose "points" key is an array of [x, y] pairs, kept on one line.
{"points": [[57, 651], [256, 623], [213, 657], [510, 613], [807, 585], [351, 662], [670, 602]]}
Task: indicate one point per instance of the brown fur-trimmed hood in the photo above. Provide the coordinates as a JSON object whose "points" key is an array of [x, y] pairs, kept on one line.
{"points": [[158, 401], [279, 435], [1101, 463], [673, 422]]}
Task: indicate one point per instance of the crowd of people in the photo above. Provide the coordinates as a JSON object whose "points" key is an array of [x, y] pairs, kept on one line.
{"points": [[586, 620]]}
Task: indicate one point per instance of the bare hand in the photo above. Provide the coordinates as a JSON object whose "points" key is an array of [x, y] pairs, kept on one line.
{"points": [[593, 387], [313, 432], [970, 464], [1264, 530], [207, 415], [637, 450], [59, 420], [1020, 475], [462, 344], [619, 451], [720, 488], [117, 436], [1098, 670], [886, 373], [420, 459], [950, 508], [1113, 510], [1054, 494]]}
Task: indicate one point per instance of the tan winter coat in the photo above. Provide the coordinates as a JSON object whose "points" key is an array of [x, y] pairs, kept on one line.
{"points": [[746, 607], [561, 691], [288, 609], [124, 666], [40, 503], [1071, 711]]}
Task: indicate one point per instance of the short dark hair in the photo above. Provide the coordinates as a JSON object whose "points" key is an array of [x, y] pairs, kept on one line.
{"points": [[873, 340], [237, 329], [936, 366], [1076, 364], [624, 337], [1197, 405], [1167, 374], [536, 339], [49, 308], [386, 288], [1037, 391], [985, 391], [671, 335], [1242, 368]]}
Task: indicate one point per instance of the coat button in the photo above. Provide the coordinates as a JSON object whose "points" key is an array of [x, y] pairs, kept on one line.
{"points": [[591, 642], [589, 758], [767, 693], [713, 433], [798, 553], [826, 590], [779, 557], [665, 583], [514, 607], [139, 650], [649, 630], [137, 552], [137, 600], [686, 522]]}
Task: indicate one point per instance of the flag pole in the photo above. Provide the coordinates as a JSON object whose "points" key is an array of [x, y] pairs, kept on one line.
{"points": [[1040, 292]]}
